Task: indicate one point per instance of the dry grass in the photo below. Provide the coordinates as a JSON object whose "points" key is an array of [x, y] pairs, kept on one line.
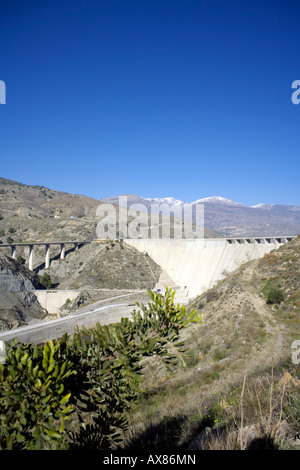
{"points": [[261, 412]]}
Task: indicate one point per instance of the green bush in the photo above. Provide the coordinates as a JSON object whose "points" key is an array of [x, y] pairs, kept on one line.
{"points": [[45, 280], [93, 375], [274, 296], [34, 397], [20, 260]]}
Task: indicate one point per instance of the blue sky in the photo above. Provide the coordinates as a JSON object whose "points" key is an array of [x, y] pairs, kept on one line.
{"points": [[183, 98]]}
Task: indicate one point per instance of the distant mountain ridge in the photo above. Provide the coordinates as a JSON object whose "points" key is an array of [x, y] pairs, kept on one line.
{"points": [[227, 217], [30, 210], [178, 202]]}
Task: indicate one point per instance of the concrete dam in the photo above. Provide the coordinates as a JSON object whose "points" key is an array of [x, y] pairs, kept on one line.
{"points": [[196, 265]]}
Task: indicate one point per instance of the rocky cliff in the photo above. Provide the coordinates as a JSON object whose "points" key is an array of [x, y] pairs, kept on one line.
{"points": [[18, 306]]}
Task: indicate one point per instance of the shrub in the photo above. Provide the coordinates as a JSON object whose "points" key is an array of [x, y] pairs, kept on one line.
{"points": [[274, 296], [35, 396], [94, 374], [45, 280]]}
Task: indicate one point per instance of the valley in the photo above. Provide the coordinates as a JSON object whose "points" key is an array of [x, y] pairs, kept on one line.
{"points": [[246, 290]]}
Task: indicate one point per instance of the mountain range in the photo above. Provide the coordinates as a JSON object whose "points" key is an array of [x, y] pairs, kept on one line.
{"points": [[30, 210], [227, 217]]}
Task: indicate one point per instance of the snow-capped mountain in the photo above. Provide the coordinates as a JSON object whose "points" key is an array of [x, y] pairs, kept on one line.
{"points": [[262, 205], [227, 217], [178, 202], [217, 199], [165, 200]]}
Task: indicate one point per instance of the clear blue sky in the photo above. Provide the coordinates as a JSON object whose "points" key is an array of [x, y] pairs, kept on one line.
{"points": [[183, 98]]}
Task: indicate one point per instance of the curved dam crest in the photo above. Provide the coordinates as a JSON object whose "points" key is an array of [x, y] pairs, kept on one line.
{"points": [[197, 264]]}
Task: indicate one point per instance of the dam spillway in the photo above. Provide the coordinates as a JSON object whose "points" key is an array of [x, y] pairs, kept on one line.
{"points": [[195, 265]]}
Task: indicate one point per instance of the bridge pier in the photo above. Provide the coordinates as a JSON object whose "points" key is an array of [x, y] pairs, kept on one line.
{"points": [[30, 257], [47, 245], [47, 256], [13, 252], [62, 251]]}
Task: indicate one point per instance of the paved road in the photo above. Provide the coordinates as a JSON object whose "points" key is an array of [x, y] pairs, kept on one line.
{"points": [[40, 332]]}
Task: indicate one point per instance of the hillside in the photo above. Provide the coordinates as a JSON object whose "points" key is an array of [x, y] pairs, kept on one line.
{"points": [[106, 264], [38, 201], [36, 213], [28, 214], [241, 335]]}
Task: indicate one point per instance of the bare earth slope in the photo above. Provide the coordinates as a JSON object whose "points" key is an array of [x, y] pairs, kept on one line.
{"points": [[106, 264]]}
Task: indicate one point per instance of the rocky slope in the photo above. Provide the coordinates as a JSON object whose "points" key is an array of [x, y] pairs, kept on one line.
{"points": [[107, 264], [15, 277], [18, 306]]}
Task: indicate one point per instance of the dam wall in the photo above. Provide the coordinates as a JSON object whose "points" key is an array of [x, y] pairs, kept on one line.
{"points": [[52, 300], [197, 264]]}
